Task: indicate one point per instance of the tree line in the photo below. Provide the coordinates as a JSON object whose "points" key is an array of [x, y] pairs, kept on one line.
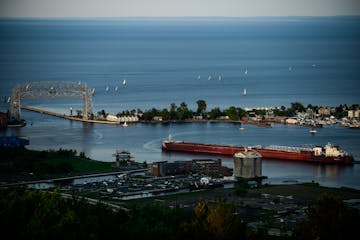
{"points": [[36, 214], [182, 112]]}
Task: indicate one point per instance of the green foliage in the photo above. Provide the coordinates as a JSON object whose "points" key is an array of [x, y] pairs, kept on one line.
{"points": [[150, 114], [145, 165], [79, 113], [329, 218], [241, 186], [233, 113], [173, 115], [259, 112], [33, 214], [47, 163], [217, 222], [297, 107], [215, 113], [165, 114], [201, 109], [183, 112]]}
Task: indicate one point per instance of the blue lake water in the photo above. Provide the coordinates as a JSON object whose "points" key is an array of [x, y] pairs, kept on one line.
{"points": [[310, 60]]}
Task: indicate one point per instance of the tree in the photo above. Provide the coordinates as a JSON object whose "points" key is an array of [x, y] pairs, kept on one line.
{"points": [[165, 114], [216, 222], [215, 113], [183, 112], [201, 107], [79, 113], [329, 218], [297, 107], [173, 114], [144, 164], [232, 113]]}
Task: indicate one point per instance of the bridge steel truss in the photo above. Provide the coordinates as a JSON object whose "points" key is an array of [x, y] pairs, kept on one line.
{"points": [[51, 89]]}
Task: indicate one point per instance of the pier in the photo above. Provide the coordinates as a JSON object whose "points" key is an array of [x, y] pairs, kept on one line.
{"points": [[72, 118]]}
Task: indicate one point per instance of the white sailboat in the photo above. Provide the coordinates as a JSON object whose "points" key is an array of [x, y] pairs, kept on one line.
{"points": [[116, 88], [246, 71], [209, 77], [199, 77], [220, 77], [125, 124], [124, 82], [107, 88], [244, 92]]}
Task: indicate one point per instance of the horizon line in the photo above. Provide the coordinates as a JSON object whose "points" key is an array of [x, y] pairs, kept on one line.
{"points": [[180, 17]]}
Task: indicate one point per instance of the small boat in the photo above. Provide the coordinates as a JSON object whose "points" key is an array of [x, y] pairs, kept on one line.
{"points": [[244, 92], [209, 77], [246, 71], [199, 77], [116, 88], [220, 77], [124, 82], [313, 131], [107, 88], [241, 129], [125, 124]]}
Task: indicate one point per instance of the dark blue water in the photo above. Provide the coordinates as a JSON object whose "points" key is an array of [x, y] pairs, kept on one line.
{"points": [[161, 60]]}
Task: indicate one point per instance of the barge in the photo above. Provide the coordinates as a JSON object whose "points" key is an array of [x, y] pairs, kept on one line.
{"points": [[327, 154]]}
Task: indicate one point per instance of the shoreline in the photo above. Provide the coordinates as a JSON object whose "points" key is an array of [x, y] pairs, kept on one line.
{"points": [[71, 118]]}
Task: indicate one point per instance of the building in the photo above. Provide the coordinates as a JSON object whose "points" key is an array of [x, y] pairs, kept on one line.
{"points": [[353, 114], [164, 168], [291, 121], [247, 164], [324, 111], [199, 166], [157, 119], [158, 168], [203, 166]]}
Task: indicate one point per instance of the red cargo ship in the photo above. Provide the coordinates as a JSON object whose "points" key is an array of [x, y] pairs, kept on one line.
{"points": [[327, 154]]}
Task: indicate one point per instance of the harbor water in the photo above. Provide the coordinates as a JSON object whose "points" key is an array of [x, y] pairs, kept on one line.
{"points": [[278, 60]]}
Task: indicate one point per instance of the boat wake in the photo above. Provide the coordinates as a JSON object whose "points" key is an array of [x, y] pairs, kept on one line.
{"points": [[153, 145], [99, 135]]}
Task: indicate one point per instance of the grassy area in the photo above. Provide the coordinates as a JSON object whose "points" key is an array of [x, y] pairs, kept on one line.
{"points": [[307, 191], [23, 164]]}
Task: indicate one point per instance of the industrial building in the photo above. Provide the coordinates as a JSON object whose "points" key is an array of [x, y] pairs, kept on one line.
{"points": [[200, 166], [247, 164]]}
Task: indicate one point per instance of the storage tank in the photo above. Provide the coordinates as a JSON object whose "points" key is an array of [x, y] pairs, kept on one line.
{"points": [[247, 164]]}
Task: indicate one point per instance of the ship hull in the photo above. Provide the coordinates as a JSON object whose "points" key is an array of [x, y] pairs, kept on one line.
{"points": [[226, 150]]}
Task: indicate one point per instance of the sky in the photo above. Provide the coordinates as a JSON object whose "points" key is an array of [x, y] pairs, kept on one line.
{"points": [[176, 8]]}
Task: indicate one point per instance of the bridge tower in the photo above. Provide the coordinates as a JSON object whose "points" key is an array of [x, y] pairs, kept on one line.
{"points": [[51, 89]]}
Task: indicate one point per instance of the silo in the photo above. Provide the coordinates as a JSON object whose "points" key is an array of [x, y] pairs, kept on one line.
{"points": [[247, 164]]}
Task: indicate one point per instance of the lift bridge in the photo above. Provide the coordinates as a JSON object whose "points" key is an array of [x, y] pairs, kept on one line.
{"points": [[51, 89]]}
